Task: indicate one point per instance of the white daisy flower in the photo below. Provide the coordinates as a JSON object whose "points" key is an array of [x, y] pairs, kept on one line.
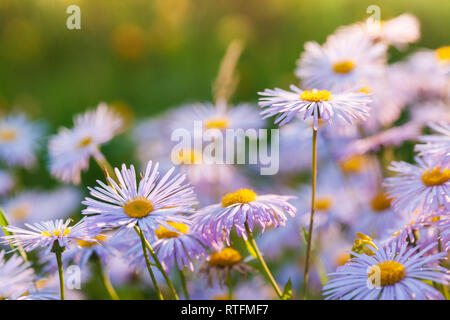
{"points": [[424, 186], [71, 149], [19, 141], [318, 104], [342, 62], [44, 234], [35, 206], [149, 204]]}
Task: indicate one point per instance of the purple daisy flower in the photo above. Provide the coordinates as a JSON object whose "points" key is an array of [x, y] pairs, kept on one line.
{"points": [[242, 207], [437, 146], [425, 186], [394, 272], [149, 204], [44, 234], [317, 104], [174, 248], [16, 276]]}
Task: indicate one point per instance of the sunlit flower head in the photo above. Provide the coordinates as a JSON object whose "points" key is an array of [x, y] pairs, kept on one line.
{"points": [[390, 273], [35, 206], [341, 63], [71, 149], [424, 186], [399, 31], [45, 234], [238, 209], [179, 247], [148, 203], [19, 141], [436, 145], [320, 105], [220, 263], [16, 276]]}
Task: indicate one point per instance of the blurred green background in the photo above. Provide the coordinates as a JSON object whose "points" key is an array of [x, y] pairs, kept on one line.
{"points": [[149, 55]]}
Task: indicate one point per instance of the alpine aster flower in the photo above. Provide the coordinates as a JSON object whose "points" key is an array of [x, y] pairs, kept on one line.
{"points": [[239, 208], [19, 141], [178, 247], [16, 276], [436, 146], [319, 104], [71, 149], [149, 204], [424, 186], [395, 272], [342, 62], [44, 234]]}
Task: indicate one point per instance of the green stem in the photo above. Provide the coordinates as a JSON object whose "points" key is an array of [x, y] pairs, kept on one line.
{"points": [[311, 220], [266, 270], [104, 164], [4, 223], [58, 252], [230, 286], [105, 278], [147, 262], [158, 265], [183, 283]]}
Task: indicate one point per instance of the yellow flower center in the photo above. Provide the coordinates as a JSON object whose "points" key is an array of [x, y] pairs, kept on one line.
{"points": [[389, 272], [217, 123], [435, 176], [323, 204], [55, 233], [240, 196], [353, 164], [189, 157], [315, 95], [88, 244], [226, 258], [344, 66], [380, 202], [7, 134], [138, 207], [365, 90], [84, 143], [21, 212], [443, 53], [164, 233]]}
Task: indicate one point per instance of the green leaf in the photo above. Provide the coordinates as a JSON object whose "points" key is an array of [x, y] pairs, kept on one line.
{"points": [[250, 249], [287, 292], [305, 235], [4, 223]]}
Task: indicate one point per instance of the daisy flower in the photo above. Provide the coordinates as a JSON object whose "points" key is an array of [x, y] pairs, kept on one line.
{"points": [[238, 209], [44, 234], [342, 62], [395, 272], [174, 248], [149, 204], [71, 149], [16, 276], [424, 186], [438, 145], [318, 104], [35, 206], [19, 141], [7, 182]]}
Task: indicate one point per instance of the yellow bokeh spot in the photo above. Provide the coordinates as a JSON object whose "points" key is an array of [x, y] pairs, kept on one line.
{"points": [[315, 95], [138, 207], [189, 157], [240, 196], [323, 204], [353, 164], [435, 176], [7, 134], [164, 233], [342, 258], [443, 53], [84, 142], [217, 123], [226, 258], [128, 41], [380, 202], [344, 66], [21, 212]]}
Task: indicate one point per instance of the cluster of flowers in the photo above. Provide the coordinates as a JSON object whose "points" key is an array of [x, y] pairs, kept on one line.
{"points": [[345, 120]]}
